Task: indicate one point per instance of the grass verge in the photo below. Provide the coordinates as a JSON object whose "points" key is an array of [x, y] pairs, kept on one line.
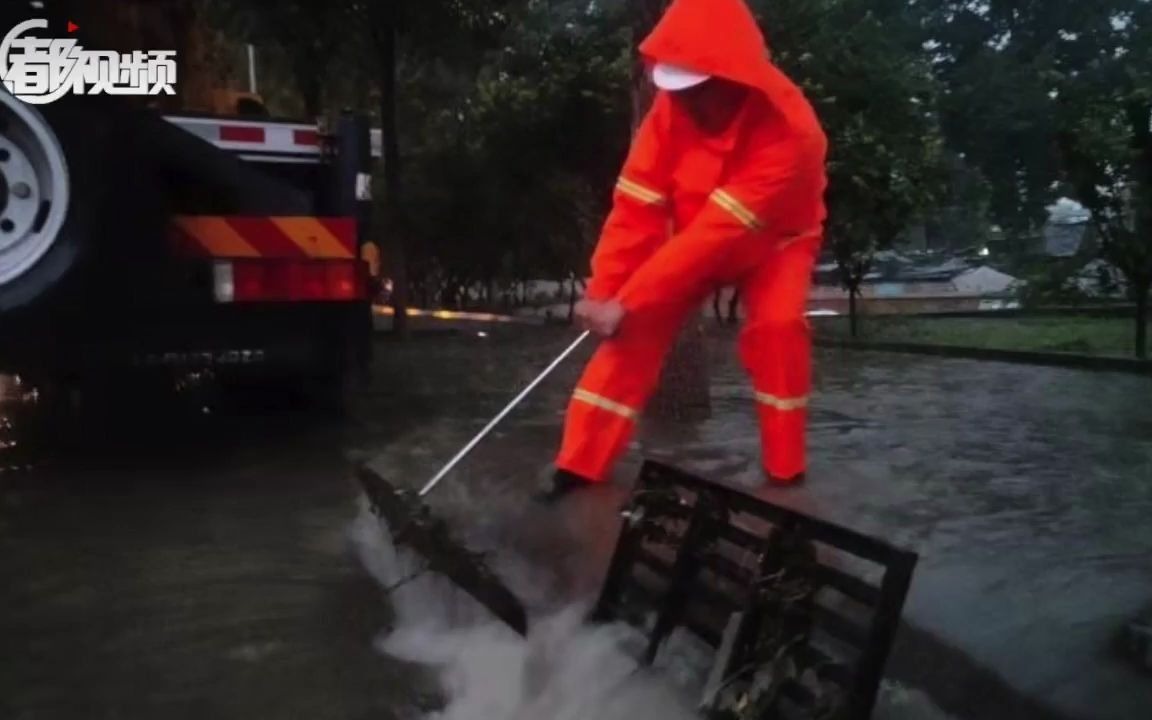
{"points": [[1105, 336]]}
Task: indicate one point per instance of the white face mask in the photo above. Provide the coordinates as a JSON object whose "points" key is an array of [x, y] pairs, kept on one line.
{"points": [[673, 78]]}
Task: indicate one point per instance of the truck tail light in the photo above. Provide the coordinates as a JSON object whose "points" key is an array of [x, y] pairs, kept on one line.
{"points": [[289, 280]]}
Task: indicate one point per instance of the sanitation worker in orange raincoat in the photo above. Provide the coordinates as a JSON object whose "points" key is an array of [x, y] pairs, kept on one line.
{"points": [[723, 186]]}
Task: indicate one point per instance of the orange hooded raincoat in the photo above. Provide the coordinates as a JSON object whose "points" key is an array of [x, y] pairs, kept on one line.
{"points": [[692, 212]]}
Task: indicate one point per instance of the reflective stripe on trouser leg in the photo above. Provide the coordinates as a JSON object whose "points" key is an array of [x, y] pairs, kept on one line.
{"points": [[780, 354], [596, 432], [776, 348], [614, 389], [783, 435]]}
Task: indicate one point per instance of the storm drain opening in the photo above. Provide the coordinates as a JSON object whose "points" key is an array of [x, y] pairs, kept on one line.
{"points": [[785, 615], [801, 613]]}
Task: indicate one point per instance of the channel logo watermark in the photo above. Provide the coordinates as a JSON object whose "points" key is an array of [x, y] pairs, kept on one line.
{"points": [[41, 70]]}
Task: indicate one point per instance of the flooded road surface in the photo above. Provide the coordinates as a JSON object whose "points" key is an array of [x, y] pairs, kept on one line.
{"points": [[1028, 494], [1027, 491], [171, 563]]}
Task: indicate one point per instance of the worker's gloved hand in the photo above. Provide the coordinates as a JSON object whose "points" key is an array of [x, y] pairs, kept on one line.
{"points": [[603, 318]]}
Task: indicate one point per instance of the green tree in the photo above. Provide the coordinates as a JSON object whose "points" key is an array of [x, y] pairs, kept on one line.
{"points": [[960, 218], [436, 32], [306, 35], [1043, 91], [1103, 82], [513, 171], [996, 107], [860, 63]]}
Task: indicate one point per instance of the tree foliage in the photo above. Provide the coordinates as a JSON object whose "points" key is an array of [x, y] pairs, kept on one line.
{"points": [[995, 106], [516, 172], [512, 117], [1103, 81], [1056, 95], [860, 63]]}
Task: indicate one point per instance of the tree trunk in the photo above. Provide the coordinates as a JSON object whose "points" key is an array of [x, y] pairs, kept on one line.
{"points": [[311, 84], [853, 314], [392, 188], [645, 14], [1142, 320], [572, 301], [734, 307], [1138, 112], [683, 393]]}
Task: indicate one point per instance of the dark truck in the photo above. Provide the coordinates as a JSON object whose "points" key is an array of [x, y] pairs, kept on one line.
{"points": [[136, 244]]}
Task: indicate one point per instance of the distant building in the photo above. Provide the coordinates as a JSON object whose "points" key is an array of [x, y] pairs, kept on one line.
{"points": [[902, 285], [984, 281]]}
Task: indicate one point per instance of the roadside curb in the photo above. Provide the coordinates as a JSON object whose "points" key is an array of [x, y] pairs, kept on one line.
{"points": [[957, 683], [1138, 641], [1131, 366], [1084, 311]]}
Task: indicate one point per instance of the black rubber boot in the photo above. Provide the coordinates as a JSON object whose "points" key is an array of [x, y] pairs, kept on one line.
{"points": [[563, 484], [795, 481]]}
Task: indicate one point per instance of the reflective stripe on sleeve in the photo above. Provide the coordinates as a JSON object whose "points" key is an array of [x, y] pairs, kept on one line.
{"points": [[738, 209], [605, 404], [639, 192], [795, 403]]}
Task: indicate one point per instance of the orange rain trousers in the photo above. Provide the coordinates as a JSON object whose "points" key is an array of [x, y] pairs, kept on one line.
{"points": [[775, 350]]}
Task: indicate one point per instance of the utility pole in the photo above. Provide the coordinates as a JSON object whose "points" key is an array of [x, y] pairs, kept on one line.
{"points": [[252, 88]]}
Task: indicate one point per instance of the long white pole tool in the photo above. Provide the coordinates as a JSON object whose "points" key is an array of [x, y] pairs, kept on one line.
{"points": [[503, 413]]}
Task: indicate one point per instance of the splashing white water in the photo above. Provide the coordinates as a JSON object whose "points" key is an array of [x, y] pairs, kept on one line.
{"points": [[564, 670]]}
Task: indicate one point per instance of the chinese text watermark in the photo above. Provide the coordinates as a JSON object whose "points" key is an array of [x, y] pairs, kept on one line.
{"points": [[41, 70]]}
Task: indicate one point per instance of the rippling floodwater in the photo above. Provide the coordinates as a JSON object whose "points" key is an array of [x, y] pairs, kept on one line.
{"points": [[564, 669], [192, 565]]}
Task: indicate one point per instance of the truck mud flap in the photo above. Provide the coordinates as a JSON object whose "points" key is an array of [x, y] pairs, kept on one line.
{"points": [[802, 613]]}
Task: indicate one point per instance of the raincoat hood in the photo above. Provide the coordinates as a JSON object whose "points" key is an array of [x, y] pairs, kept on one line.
{"points": [[714, 37]]}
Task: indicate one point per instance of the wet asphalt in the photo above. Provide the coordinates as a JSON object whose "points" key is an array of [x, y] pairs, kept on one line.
{"points": [[1026, 491], [160, 560]]}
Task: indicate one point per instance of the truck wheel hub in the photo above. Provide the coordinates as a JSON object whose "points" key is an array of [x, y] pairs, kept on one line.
{"points": [[34, 190]]}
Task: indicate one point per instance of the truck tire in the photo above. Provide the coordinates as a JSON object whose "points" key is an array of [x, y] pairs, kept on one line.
{"points": [[47, 200]]}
